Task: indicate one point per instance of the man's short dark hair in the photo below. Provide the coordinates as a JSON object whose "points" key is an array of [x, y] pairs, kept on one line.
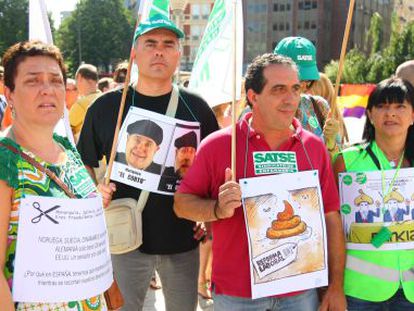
{"points": [[254, 78], [18, 52], [88, 72], [104, 83], [120, 72]]}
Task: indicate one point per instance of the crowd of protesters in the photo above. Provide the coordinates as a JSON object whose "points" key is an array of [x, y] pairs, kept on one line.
{"points": [[195, 242]]}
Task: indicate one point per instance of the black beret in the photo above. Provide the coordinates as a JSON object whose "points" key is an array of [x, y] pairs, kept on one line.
{"points": [[187, 140], [146, 128]]}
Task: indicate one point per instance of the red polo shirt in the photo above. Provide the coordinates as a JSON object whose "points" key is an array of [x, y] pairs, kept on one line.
{"points": [[231, 273]]}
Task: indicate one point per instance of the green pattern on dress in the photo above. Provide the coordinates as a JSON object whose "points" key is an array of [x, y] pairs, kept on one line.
{"points": [[27, 180]]}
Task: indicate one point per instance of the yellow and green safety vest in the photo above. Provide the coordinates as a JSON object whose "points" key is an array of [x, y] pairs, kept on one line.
{"points": [[376, 275]]}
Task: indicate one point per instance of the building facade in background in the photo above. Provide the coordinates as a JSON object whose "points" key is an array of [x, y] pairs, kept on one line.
{"points": [[194, 22], [267, 22]]}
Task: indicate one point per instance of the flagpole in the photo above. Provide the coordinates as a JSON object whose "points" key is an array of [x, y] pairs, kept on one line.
{"points": [[121, 112], [233, 104], [334, 106]]}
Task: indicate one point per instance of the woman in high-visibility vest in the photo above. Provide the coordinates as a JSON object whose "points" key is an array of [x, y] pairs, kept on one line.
{"points": [[382, 279]]}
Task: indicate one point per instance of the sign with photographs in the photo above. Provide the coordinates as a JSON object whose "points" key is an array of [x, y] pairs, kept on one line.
{"points": [[372, 204], [154, 151]]}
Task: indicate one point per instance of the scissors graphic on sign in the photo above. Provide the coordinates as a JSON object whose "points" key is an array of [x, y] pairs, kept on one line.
{"points": [[36, 205]]}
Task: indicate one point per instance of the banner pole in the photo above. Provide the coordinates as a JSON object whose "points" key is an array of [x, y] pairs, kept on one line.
{"points": [[120, 113], [334, 107], [233, 104]]}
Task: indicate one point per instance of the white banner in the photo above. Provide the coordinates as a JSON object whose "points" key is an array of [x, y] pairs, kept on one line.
{"points": [[62, 251], [286, 231], [39, 27], [212, 73], [367, 211]]}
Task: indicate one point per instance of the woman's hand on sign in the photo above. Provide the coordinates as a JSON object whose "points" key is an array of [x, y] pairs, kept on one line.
{"points": [[106, 192], [229, 197]]}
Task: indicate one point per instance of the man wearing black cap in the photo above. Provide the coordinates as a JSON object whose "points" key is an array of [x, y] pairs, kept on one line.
{"points": [[144, 138], [168, 243], [186, 146]]}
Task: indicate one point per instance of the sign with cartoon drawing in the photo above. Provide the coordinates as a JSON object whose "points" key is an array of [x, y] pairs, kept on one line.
{"points": [[286, 232], [154, 151], [377, 209]]}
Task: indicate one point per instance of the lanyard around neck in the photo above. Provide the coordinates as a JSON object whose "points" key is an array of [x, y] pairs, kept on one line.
{"points": [[379, 166]]}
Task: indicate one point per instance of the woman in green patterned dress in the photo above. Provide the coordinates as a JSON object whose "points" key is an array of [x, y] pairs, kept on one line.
{"points": [[35, 90]]}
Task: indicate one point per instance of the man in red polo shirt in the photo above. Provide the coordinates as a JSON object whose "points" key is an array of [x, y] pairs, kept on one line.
{"points": [[207, 193]]}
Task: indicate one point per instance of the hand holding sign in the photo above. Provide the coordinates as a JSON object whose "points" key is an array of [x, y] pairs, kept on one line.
{"points": [[330, 130], [106, 192], [229, 197]]}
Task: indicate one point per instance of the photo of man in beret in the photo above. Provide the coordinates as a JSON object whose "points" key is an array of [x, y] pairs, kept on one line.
{"points": [[186, 146], [144, 138]]}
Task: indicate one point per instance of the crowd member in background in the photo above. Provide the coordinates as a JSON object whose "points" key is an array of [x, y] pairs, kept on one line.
{"points": [[314, 112], [406, 71], [71, 93], [35, 90], [87, 84], [120, 73], [3, 103], [323, 88], [105, 84], [168, 244], [382, 280]]}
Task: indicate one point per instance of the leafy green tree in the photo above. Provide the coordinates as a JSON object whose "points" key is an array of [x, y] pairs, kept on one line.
{"points": [[98, 32], [354, 70], [14, 23], [374, 36], [380, 63]]}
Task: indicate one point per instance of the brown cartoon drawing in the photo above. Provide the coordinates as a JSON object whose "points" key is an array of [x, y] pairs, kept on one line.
{"points": [[286, 224]]}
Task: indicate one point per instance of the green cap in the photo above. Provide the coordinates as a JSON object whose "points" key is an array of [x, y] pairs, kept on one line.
{"points": [[157, 21], [303, 53]]}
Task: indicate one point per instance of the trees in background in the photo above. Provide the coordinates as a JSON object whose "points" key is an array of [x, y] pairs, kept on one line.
{"points": [[379, 64], [14, 22], [98, 32]]}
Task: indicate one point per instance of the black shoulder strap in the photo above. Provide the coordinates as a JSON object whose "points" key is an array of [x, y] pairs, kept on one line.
{"points": [[373, 156]]}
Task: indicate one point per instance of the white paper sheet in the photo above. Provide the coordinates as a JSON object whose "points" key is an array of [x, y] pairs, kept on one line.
{"points": [[365, 208], [161, 180], [286, 231], [62, 251]]}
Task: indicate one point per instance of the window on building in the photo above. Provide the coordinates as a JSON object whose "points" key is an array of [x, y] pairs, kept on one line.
{"points": [[275, 7], [299, 25], [274, 27], [313, 25], [196, 32], [307, 5], [314, 4], [205, 11], [195, 11], [281, 27], [306, 25], [287, 27], [282, 7], [300, 5], [288, 7]]}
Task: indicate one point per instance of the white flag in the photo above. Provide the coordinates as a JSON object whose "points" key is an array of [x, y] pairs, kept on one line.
{"points": [[212, 74], [148, 8], [39, 27]]}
